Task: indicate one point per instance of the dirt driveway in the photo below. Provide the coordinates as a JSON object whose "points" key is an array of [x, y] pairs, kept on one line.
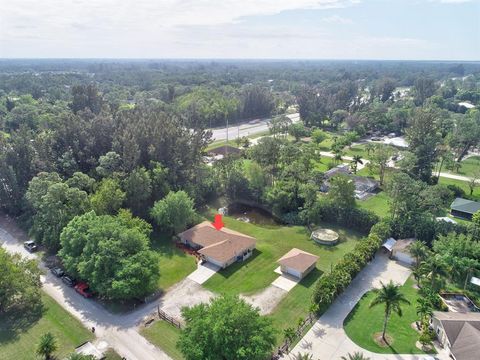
{"points": [[185, 293]]}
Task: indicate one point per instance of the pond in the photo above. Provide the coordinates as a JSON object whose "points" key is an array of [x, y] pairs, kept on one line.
{"points": [[252, 214]]}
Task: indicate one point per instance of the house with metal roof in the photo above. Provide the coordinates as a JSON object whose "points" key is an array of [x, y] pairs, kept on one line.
{"points": [[464, 208]]}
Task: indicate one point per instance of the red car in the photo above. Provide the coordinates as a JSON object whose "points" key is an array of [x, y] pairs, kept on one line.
{"points": [[83, 289]]}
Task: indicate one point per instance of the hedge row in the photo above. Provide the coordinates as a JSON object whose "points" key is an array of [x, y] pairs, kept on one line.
{"points": [[332, 284]]}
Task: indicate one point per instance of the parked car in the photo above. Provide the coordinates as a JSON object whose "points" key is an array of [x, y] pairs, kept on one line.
{"points": [[30, 246], [57, 272], [68, 280], [376, 138], [83, 289]]}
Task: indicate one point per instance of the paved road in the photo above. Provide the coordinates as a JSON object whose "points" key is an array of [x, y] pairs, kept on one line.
{"points": [[327, 340], [119, 331], [249, 128]]}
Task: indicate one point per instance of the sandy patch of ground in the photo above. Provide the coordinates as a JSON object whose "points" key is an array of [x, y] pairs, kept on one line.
{"points": [[185, 293], [267, 299]]}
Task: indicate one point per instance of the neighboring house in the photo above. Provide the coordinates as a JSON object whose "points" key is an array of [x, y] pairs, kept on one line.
{"points": [[459, 333], [297, 263], [363, 185], [219, 247], [399, 250], [224, 150], [464, 208], [446, 219]]}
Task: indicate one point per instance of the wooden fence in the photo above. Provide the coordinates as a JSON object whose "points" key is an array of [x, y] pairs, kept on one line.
{"points": [[164, 316], [285, 347]]}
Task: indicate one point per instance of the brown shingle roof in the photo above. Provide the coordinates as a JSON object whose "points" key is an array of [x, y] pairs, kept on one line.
{"points": [[228, 249], [463, 333], [204, 234], [298, 260], [221, 245]]}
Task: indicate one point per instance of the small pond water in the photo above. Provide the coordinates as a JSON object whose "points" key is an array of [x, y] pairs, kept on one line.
{"points": [[251, 214]]}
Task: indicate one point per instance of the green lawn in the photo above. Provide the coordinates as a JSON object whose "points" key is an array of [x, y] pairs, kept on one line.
{"points": [[20, 333], [462, 184], [272, 243], [164, 336], [470, 167], [363, 322], [378, 204], [175, 265]]}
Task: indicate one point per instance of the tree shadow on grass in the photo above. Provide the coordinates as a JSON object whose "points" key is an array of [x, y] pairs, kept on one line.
{"points": [[18, 321]]}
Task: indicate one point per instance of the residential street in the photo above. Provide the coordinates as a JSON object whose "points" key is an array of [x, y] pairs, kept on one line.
{"points": [[327, 340], [119, 331], [249, 128]]}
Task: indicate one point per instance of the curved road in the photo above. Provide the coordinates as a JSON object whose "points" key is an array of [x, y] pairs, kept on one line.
{"points": [[120, 331]]}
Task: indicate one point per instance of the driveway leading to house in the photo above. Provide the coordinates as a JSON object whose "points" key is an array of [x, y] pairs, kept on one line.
{"points": [[267, 299], [184, 293], [327, 339], [204, 272]]}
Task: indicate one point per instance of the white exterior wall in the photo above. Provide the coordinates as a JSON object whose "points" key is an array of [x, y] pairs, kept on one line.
{"points": [[404, 257]]}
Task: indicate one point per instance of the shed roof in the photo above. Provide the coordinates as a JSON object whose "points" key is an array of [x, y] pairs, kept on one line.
{"points": [[298, 259], [389, 244], [224, 149], [465, 206]]}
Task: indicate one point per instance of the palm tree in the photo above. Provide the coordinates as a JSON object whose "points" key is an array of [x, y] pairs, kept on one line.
{"points": [[419, 251], [47, 345], [435, 267], [424, 309], [392, 298], [355, 356], [337, 157], [357, 159], [369, 147]]}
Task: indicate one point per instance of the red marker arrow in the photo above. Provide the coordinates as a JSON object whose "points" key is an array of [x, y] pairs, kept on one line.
{"points": [[218, 223]]}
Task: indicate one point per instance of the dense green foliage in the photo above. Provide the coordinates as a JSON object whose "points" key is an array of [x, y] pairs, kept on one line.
{"points": [[174, 212], [19, 282], [111, 253], [236, 331]]}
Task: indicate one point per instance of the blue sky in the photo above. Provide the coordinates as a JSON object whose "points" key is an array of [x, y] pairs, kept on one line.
{"points": [[306, 29]]}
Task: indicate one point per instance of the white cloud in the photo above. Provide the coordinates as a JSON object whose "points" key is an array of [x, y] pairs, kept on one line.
{"points": [[335, 19]]}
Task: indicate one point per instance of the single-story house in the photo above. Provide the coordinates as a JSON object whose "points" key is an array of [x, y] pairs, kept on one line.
{"points": [[464, 208], [459, 333], [398, 250], [363, 185], [220, 247], [224, 150], [446, 219], [297, 263]]}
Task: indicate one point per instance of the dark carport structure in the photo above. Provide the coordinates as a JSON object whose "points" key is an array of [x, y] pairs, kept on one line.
{"points": [[464, 208]]}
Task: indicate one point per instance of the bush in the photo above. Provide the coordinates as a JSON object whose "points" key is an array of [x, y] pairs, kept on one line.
{"points": [[353, 218], [331, 284], [456, 190]]}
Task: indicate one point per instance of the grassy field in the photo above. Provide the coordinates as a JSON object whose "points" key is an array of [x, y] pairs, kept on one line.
{"points": [[378, 204], [470, 167], [462, 184], [175, 265], [20, 333], [165, 336], [363, 322], [272, 243]]}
